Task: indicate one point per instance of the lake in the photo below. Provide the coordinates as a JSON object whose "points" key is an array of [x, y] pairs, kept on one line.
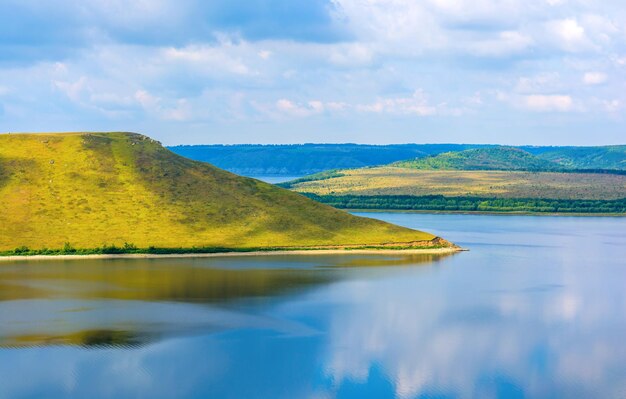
{"points": [[275, 179], [536, 308]]}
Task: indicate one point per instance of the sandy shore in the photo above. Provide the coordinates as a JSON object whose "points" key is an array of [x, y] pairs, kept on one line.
{"points": [[433, 251]]}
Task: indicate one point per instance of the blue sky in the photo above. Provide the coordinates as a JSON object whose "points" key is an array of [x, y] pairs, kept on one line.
{"points": [[292, 71]]}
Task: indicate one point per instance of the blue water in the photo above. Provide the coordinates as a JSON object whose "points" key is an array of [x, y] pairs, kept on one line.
{"points": [[274, 179], [536, 308]]}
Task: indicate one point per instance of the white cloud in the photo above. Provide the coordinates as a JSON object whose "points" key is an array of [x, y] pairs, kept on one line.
{"points": [[291, 108], [336, 106], [568, 34], [147, 100], [505, 43], [417, 104], [594, 78], [209, 57], [393, 25], [539, 83], [548, 103], [353, 54], [474, 100], [308, 108], [73, 90], [519, 55], [568, 30], [613, 106], [178, 111], [265, 54]]}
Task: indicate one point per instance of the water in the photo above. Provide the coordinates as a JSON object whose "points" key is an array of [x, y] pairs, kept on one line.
{"points": [[537, 308], [274, 179]]}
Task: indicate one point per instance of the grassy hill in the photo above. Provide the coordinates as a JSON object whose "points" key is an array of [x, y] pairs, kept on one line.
{"points": [[497, 158], [94, 189], [607, 157], [304, 159]]}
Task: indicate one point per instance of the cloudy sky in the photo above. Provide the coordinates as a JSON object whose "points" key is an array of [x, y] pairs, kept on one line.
{"points": [[290, 71]]}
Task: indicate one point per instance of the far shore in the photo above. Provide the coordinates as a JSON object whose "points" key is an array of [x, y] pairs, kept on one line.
{"points": [[429, 251], [501, 213]]}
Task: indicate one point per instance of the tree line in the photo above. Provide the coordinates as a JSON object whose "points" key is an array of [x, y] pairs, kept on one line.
{"points": [[470, 204]]}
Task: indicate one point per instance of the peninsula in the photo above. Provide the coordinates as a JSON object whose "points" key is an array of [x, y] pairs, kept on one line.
{"points": [[124, 193]]}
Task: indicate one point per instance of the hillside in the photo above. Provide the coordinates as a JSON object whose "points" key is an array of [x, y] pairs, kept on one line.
{"points": [[497, 158], [607, 157], [92, 189], [304, 159]]}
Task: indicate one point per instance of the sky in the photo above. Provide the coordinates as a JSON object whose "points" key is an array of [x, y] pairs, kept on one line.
{"points": [[544, 72]]}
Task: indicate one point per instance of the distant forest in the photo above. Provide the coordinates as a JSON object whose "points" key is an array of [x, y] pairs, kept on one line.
{"points": [[304, 159], [470, 204]]}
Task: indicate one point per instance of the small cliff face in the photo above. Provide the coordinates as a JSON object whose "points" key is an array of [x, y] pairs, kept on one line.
{"points": [[91, 189]]}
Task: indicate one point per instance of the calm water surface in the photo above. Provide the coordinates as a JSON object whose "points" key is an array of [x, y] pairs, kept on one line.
{"points": [[537, 308]]}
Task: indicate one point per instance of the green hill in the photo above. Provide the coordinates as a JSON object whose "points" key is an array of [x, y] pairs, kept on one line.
{"points": [[608, 157], [95, 189], [497, 158], [306, 159]]}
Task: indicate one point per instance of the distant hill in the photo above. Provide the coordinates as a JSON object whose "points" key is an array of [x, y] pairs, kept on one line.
{"points": [[92, 189], [607, 157], [497, 158], [304, 159]]}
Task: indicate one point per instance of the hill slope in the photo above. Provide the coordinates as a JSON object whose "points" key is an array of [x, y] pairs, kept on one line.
{"points": [[304, 159], [607, 157], [91, 189], [498, 158]]}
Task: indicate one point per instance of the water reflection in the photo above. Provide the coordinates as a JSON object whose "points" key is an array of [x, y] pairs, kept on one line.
{"points": [[504, 321], [97, 303], [536, 309]]}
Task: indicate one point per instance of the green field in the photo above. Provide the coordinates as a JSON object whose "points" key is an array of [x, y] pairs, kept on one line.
{"points": [[94, 190], [498, 184], [389, 187]]}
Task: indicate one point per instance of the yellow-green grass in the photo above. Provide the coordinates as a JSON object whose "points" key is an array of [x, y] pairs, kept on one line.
{"points": [[94, 189], [457, 183]]}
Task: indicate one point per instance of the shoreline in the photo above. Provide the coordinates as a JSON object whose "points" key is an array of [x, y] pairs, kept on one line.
{"points": [[313, 252], [503, 213]]}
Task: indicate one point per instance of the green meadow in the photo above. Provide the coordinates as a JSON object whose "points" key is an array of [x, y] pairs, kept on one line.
{"points": [[499, 179], [88, 191]]}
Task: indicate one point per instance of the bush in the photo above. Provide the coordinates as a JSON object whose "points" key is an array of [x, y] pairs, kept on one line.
{"points": [[23, 250], [68, 249]]}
